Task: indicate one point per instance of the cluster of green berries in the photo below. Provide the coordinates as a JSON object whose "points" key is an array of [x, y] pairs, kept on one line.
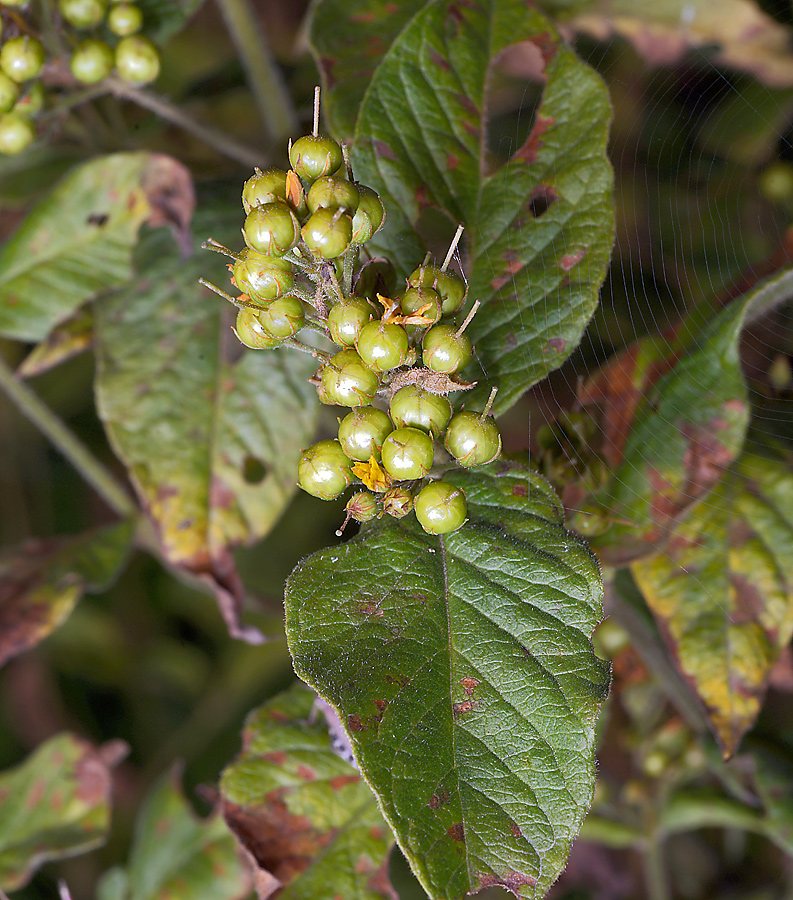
{"points": [[397, 356], [23, 56]]}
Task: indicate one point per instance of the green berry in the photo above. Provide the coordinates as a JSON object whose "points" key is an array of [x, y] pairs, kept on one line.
{"points": [[363, 507], [264, 187], [22, 58], [315, 155], [31, 103], [92, 61], [272, 229], [125, 19], [413, 407], [407, 454], [362, 432], [472, 439], [283, 318], [346, 381], [137, 60], [445, 351], [332, 192], [16, 134], [347, 318], [415, 299], [397, 502], [324, 470], [328, 232], [382, 346], [369, 216], [441, 507], [262, 277], [8, 93], [252, 333], [83, 13], [450, 287]]}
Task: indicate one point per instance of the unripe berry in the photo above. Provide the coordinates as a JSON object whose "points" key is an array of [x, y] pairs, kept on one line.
{"points": [[83, 13], [283, 318], [252, 333], [450, 287], [397, 502], [315, 155], [347, 318], [272, 229], [382, 346], [472, 439], [369, 216], [137, 60], [407, 454], [413, 407], [22, 58], [363, 507], [346, 381], [31, 103], [262, 277], [415, 299], [328, 232], [441, 507], [332, 192], [362, 432], [8, 93], [324, 470], [125, 19], [445, 351], [92, 61], [264, 187], [16, 134]]}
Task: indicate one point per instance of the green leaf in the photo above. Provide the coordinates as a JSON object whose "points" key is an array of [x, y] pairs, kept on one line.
{"points": [[210, 432], [164, 18], [64, 342], [175, 854], [78, 241], [723, 591], [349, 38], [56, 804], [41, 582], [464, 674], [539, 227], [304, 813], [669, 439]]}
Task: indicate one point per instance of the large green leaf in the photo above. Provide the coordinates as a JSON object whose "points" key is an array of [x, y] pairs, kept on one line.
{"points": [[175, 854], [723, 591], [304, 813], [464, 674], [539, 227], [56, 804], [210, 433], [41, 581], [78, 241]]}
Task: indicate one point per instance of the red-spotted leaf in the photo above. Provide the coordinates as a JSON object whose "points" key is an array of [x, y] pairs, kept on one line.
{"points": [[41, 581], [78, 241], [176, 854], [304, 813], [463, 671], [539, 226], [55, 804]]}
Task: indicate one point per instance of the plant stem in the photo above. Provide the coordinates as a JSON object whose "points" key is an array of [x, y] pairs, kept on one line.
{"points": [[94, 472], [161, 107], [265, 80], [654, 870]]}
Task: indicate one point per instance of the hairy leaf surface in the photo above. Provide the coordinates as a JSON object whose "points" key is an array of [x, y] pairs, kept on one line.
{"points": [[723, 591], [209, 431], [302, 811], [41, 581], [55, 804], [176, 854], [464, 674], [78, 241], [539, 226]]}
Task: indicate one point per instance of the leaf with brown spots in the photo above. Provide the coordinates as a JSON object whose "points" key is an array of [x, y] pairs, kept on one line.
{"points": [[41, 581], [470, 698], [188, 409], [301, 811], [78, 241], [539, 225], [722, 592], [55, 804], [175, 854]]}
